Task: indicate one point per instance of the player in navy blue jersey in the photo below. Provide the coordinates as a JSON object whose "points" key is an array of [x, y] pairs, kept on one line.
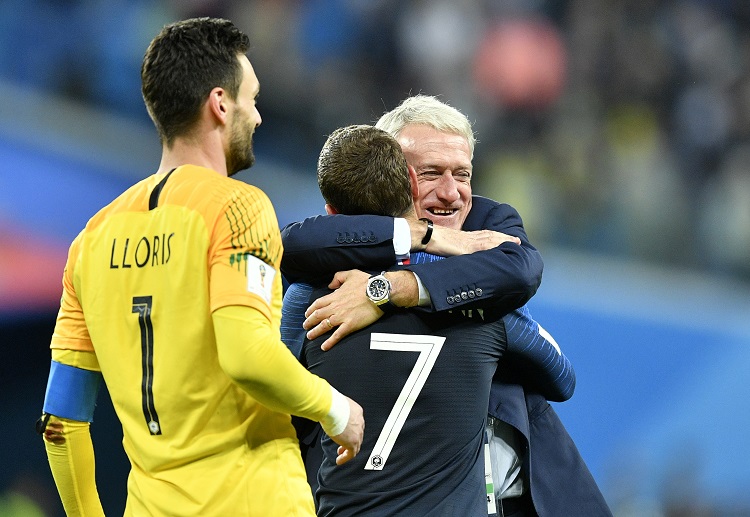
{"points": [[423, 381]]}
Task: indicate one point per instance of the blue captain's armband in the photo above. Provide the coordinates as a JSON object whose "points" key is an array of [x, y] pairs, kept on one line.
{"points": [[71, 392]]}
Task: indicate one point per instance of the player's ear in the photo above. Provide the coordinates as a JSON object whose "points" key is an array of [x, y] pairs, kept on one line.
{"points": [[330, 210], [414, 184], [217, 104]]}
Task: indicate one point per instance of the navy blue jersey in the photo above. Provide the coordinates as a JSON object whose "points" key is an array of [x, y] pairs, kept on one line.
{"points": [[423, 381]]}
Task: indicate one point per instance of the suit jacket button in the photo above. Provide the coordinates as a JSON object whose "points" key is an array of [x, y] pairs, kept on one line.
{"points": [[450, 300], [479, 291], [464, 295], [472, 294]]}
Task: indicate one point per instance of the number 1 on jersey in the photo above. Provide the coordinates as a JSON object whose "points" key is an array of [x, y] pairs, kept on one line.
{"points": [[429, 348], [142, 306]]}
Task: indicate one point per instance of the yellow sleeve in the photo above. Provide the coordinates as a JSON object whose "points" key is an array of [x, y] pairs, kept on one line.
{"points": [[256, 359], [70, 328], [70, 451], [71, 458]]}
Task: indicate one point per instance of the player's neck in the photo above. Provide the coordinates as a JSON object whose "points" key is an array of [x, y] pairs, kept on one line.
{"points": [[189, 152]]}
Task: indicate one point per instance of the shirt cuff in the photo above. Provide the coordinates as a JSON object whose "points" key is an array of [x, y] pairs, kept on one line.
{"points": [[401, 238], [424, 294]]}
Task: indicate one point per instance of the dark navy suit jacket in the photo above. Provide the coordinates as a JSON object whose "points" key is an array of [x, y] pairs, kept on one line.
{"points": [[501, 279]]}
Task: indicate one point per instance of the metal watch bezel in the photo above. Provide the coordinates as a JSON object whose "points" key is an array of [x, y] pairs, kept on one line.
{"points": [[381, 298]]}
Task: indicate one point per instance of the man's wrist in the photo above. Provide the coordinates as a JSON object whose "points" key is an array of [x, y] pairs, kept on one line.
{"points": [[428, 231], [404, 288], [419, 229], [334, 423]]}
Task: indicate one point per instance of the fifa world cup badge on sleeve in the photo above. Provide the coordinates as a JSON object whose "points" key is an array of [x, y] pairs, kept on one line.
{"points": [[260, 277]]}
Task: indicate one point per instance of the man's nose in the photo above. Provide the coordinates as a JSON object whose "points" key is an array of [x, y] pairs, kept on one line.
{"points": [[447, 189]]}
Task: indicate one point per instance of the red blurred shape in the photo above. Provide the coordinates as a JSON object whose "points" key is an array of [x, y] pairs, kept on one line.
{"points": [[30, 272], [521, 64]]}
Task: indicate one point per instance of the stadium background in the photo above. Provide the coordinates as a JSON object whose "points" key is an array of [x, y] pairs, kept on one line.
{"points": [[619, 129]]}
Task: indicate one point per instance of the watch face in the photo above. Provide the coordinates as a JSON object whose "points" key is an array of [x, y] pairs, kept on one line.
{"points": [[378, 289]]}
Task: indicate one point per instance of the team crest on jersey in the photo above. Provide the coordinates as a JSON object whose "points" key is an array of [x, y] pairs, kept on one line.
{"points": [[260, 277]]}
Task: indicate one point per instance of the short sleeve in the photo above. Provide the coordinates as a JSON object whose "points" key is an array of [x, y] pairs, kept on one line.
{"points": [[245, 253], [70, 331]]}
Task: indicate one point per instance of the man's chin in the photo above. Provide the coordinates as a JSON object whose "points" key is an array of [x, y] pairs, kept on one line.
{"points": [[239, 167]]}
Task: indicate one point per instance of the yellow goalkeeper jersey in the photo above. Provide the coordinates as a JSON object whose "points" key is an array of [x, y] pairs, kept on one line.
{"points": [[140, 284]]}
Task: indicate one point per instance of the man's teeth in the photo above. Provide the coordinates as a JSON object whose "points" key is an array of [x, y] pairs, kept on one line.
{"points": [[438, 211]]}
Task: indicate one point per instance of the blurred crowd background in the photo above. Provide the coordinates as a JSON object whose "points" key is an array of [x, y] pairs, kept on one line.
{"points": [[618, 128]]}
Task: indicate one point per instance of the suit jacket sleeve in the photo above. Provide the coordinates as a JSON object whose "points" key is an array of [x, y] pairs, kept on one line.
{"points": [[316, 248], [503, 278]]}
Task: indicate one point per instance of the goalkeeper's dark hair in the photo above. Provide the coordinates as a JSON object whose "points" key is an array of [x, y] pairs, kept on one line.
{"points": [[183, 63]]}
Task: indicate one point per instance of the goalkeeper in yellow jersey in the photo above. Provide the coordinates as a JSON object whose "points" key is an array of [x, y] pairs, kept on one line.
{"points": [[172, 296]]}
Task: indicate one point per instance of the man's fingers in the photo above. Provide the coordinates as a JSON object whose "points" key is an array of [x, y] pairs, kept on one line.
{"points": [[333, 339], [315, 317], [318, 329], [344, 455], [310, 312], [338, 279]]}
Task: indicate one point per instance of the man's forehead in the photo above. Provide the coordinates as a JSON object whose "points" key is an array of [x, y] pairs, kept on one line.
{"points": [[446, 151], [426, 139]]}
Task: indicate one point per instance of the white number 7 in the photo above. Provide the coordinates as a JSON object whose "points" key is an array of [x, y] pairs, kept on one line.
{"points": [[429, 348]]}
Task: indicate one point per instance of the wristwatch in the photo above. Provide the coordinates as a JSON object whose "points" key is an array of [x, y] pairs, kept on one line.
{"points": [[379, 292]]}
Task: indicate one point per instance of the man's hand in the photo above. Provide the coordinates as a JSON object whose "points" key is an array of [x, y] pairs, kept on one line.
{"points": [[350, 440], [347, 308], [448, 242]]}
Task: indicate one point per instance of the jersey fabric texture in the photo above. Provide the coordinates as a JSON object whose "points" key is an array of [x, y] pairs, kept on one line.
{"points": [[423, 381], [140, 284]]}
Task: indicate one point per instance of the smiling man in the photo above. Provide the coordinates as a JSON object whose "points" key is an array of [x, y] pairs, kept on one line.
{"points": [[442, 162]]}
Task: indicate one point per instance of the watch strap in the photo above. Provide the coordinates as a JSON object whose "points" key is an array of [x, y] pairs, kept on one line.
{"points": [[388, 307]]}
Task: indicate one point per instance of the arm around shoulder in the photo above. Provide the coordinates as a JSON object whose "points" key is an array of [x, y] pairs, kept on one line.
{"points": [[316, 248], [504, 277]]}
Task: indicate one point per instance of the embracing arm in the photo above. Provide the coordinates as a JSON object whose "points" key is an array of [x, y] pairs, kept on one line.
{"points": [[501, 272], [504, 277], [534, 359], [318, 247]]}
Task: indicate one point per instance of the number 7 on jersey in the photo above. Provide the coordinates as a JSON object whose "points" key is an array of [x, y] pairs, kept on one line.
{"points": [[429, 348]]}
